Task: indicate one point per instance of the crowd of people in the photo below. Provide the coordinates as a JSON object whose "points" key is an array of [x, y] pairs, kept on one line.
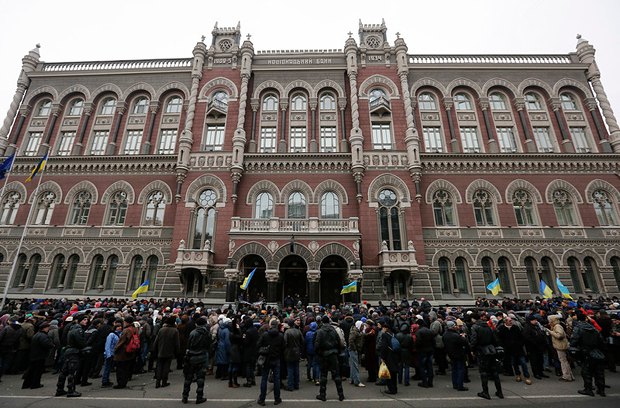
{"points": [[389, 344]]}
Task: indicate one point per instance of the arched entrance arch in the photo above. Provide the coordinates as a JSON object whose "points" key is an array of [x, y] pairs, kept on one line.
{"points": [[293, 285], [333, 277], [257, 289]]}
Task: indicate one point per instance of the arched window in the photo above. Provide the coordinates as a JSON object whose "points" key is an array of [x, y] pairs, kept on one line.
{"points": [[503, 266], [107, 106], [389, 220], [523, 208], [462, 101], [460, 275], [103, 275], [10, 205], [80, 208], [531, 269], [377, 96], [296, 205], [76, 107], [443, 208], [328, 102], [137, 271], [615, 265], [426, 101], [20, 269], [44, 208], [97, 272], [547, 272], [58, 272], [444, 276], [532, 101], [574, 268], [155, 208], [487, 270], [497, 101], [140, 106], [220, 99], [330, 205], [264, 205], [568, 102], [270, 103], [204, 219], [563, 206], [117, 209], [45, 107], [26, 271], [71, 271], [604, 208], [589, 275], [483, 208], [174, 105], [298, 102]]}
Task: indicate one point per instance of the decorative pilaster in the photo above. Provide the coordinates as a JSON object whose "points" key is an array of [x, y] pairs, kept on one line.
{"points": [[492, 146], [272, 276], [283, 109], [314, 277], [79, 146], [313, 145], [600, 130], [448, 104], [153, 108], [232, 280], [530, 146]]}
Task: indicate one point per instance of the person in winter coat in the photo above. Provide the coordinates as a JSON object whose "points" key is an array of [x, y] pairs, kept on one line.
{"points": [[196, 360], [356, 348], [9, 341], [510, 336], [406, 349], [439, 354], [222, 351], [559, 341], [312, 367], [40, 347], [108, 352], [293, 345], [484, 343], [54, 356], [425, 344], [236, 342], [76, 341], [536, 345], [588, 344], [23, 349], [249, 338], [370, 351], [123, 359], [328, 346], [456, 346], [271, 345], [167, 346], [389, 356]]}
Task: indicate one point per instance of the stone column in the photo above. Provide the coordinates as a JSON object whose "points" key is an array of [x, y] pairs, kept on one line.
{"points": [[272, 285], [492, 144], [356, 139], [313, 146], [24, 111], [566, 142], [598, 126], [119, 112], [78, 148], [314, 277], [232, 283], [356, 274], [530, 145], [448, 104], [252, 145], [282, 143], [146, 147]]}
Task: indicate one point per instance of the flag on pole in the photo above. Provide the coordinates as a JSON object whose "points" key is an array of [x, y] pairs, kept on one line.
{"points": [[563, 289], [246, 281], [38, 169], [141, 289], [545, 290], [6, 165], [350, 288], [494, 287]]}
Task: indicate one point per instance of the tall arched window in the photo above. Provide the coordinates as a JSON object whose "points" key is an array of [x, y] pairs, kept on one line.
{"points": [[80, 208], [270, 103], [460, 275], [155, 208], [568, 102], [483, 208], [462, 102], [204, 219], [389, 219], [547, 272], [377, 96], [296, 205], [44, 208], [503, 266], [117, 209], [140, 106], [21, 271], [220, 99], [443, 208], [426, 101], [58, 272], [574, 268], [563, 206], [151, 271], [137, 271], [76, 107], [27, 271], [330, 205], [444, 276], [298, 102], [497, 101], [531, 270], [328, 124], [523, 208], [10, 205], [107, 106], [174, 105], [604, 208], [487, 270], [532, 101], [589, 275], [264, 205], [615, 265], [97, 272], [71, 271], [45, 107]]}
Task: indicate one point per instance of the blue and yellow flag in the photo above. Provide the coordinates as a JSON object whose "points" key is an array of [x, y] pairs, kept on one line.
{"points": [[6, 166], [38, 169], [350, 288], [246, 281], [141, 289], [545, 291], [494, 287], [563, 289]]}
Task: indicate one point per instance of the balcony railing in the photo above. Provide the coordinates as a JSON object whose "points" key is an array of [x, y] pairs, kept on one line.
{"points": [[293, 225], [118, 65], [490, 59]]}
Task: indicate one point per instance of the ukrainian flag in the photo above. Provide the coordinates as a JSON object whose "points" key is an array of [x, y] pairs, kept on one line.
{"points": [[494, 287], [141, 289], [246, 281], [545, 290], [38, 169], [6, 165], [563, 289], [350, 288]]}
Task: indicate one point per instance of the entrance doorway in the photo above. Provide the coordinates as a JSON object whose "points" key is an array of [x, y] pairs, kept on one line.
{"points": [[257, 289], [293, 282], [333, 278], [193, 282], [397, 285]]}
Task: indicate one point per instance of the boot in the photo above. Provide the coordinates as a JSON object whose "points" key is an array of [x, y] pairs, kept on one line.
{"points": [[339, 389], [157, 384], [518, 378], [498, 388]]}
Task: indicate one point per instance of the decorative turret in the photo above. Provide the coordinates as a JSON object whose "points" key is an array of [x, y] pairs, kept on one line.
{"points": [[356, 139]]}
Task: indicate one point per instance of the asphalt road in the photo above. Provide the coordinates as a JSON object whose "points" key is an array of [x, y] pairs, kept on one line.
{"points": [[143, 394]]}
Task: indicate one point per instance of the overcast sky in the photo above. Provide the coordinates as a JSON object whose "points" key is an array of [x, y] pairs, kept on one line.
{"points": [[136, 29]]}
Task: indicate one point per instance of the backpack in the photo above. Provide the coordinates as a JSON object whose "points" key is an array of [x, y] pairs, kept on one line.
{"points": [[134, 343], [394, 344]]}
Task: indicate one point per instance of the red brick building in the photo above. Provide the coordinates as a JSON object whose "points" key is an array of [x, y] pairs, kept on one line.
{"points": [[417, 175]]}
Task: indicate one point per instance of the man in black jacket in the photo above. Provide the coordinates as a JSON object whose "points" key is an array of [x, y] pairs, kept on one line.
{"points": [[589, 345], [195, 364], [425, 344], [76, 341], [455, 345], [39, 350], [484, 343], [248, 353], [271, 345], [327, 345]]}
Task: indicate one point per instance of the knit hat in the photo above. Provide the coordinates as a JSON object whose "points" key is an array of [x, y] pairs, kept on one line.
{"points": [[358, 324], [450, 324]]}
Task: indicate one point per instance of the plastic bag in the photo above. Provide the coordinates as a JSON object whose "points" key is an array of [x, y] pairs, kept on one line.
{"points": [[384, 373]]}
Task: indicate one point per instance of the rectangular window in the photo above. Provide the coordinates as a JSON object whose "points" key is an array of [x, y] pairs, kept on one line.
{"points": [[329, 142], [433, 142], [100, 140], [543, 139], [167, 141], [469, 139], [268, 140], [298, 140], [34, 141], [381, 136], [579, 139], [506, 140], [133, 142], [215, 138], [66, 143]]}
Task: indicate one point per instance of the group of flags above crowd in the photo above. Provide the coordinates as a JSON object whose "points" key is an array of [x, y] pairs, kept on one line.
{"points": [[545, 290], [7, 165]]}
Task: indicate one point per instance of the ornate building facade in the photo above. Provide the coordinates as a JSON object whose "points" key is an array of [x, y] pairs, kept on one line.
{"points": [[417, 175]]}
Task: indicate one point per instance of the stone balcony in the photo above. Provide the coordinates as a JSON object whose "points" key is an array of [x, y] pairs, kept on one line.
{"points": [[193, 258], [391, 260], [310, 225]]}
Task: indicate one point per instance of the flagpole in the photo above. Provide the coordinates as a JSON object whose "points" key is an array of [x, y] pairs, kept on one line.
{"points": [[21, 240]]}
